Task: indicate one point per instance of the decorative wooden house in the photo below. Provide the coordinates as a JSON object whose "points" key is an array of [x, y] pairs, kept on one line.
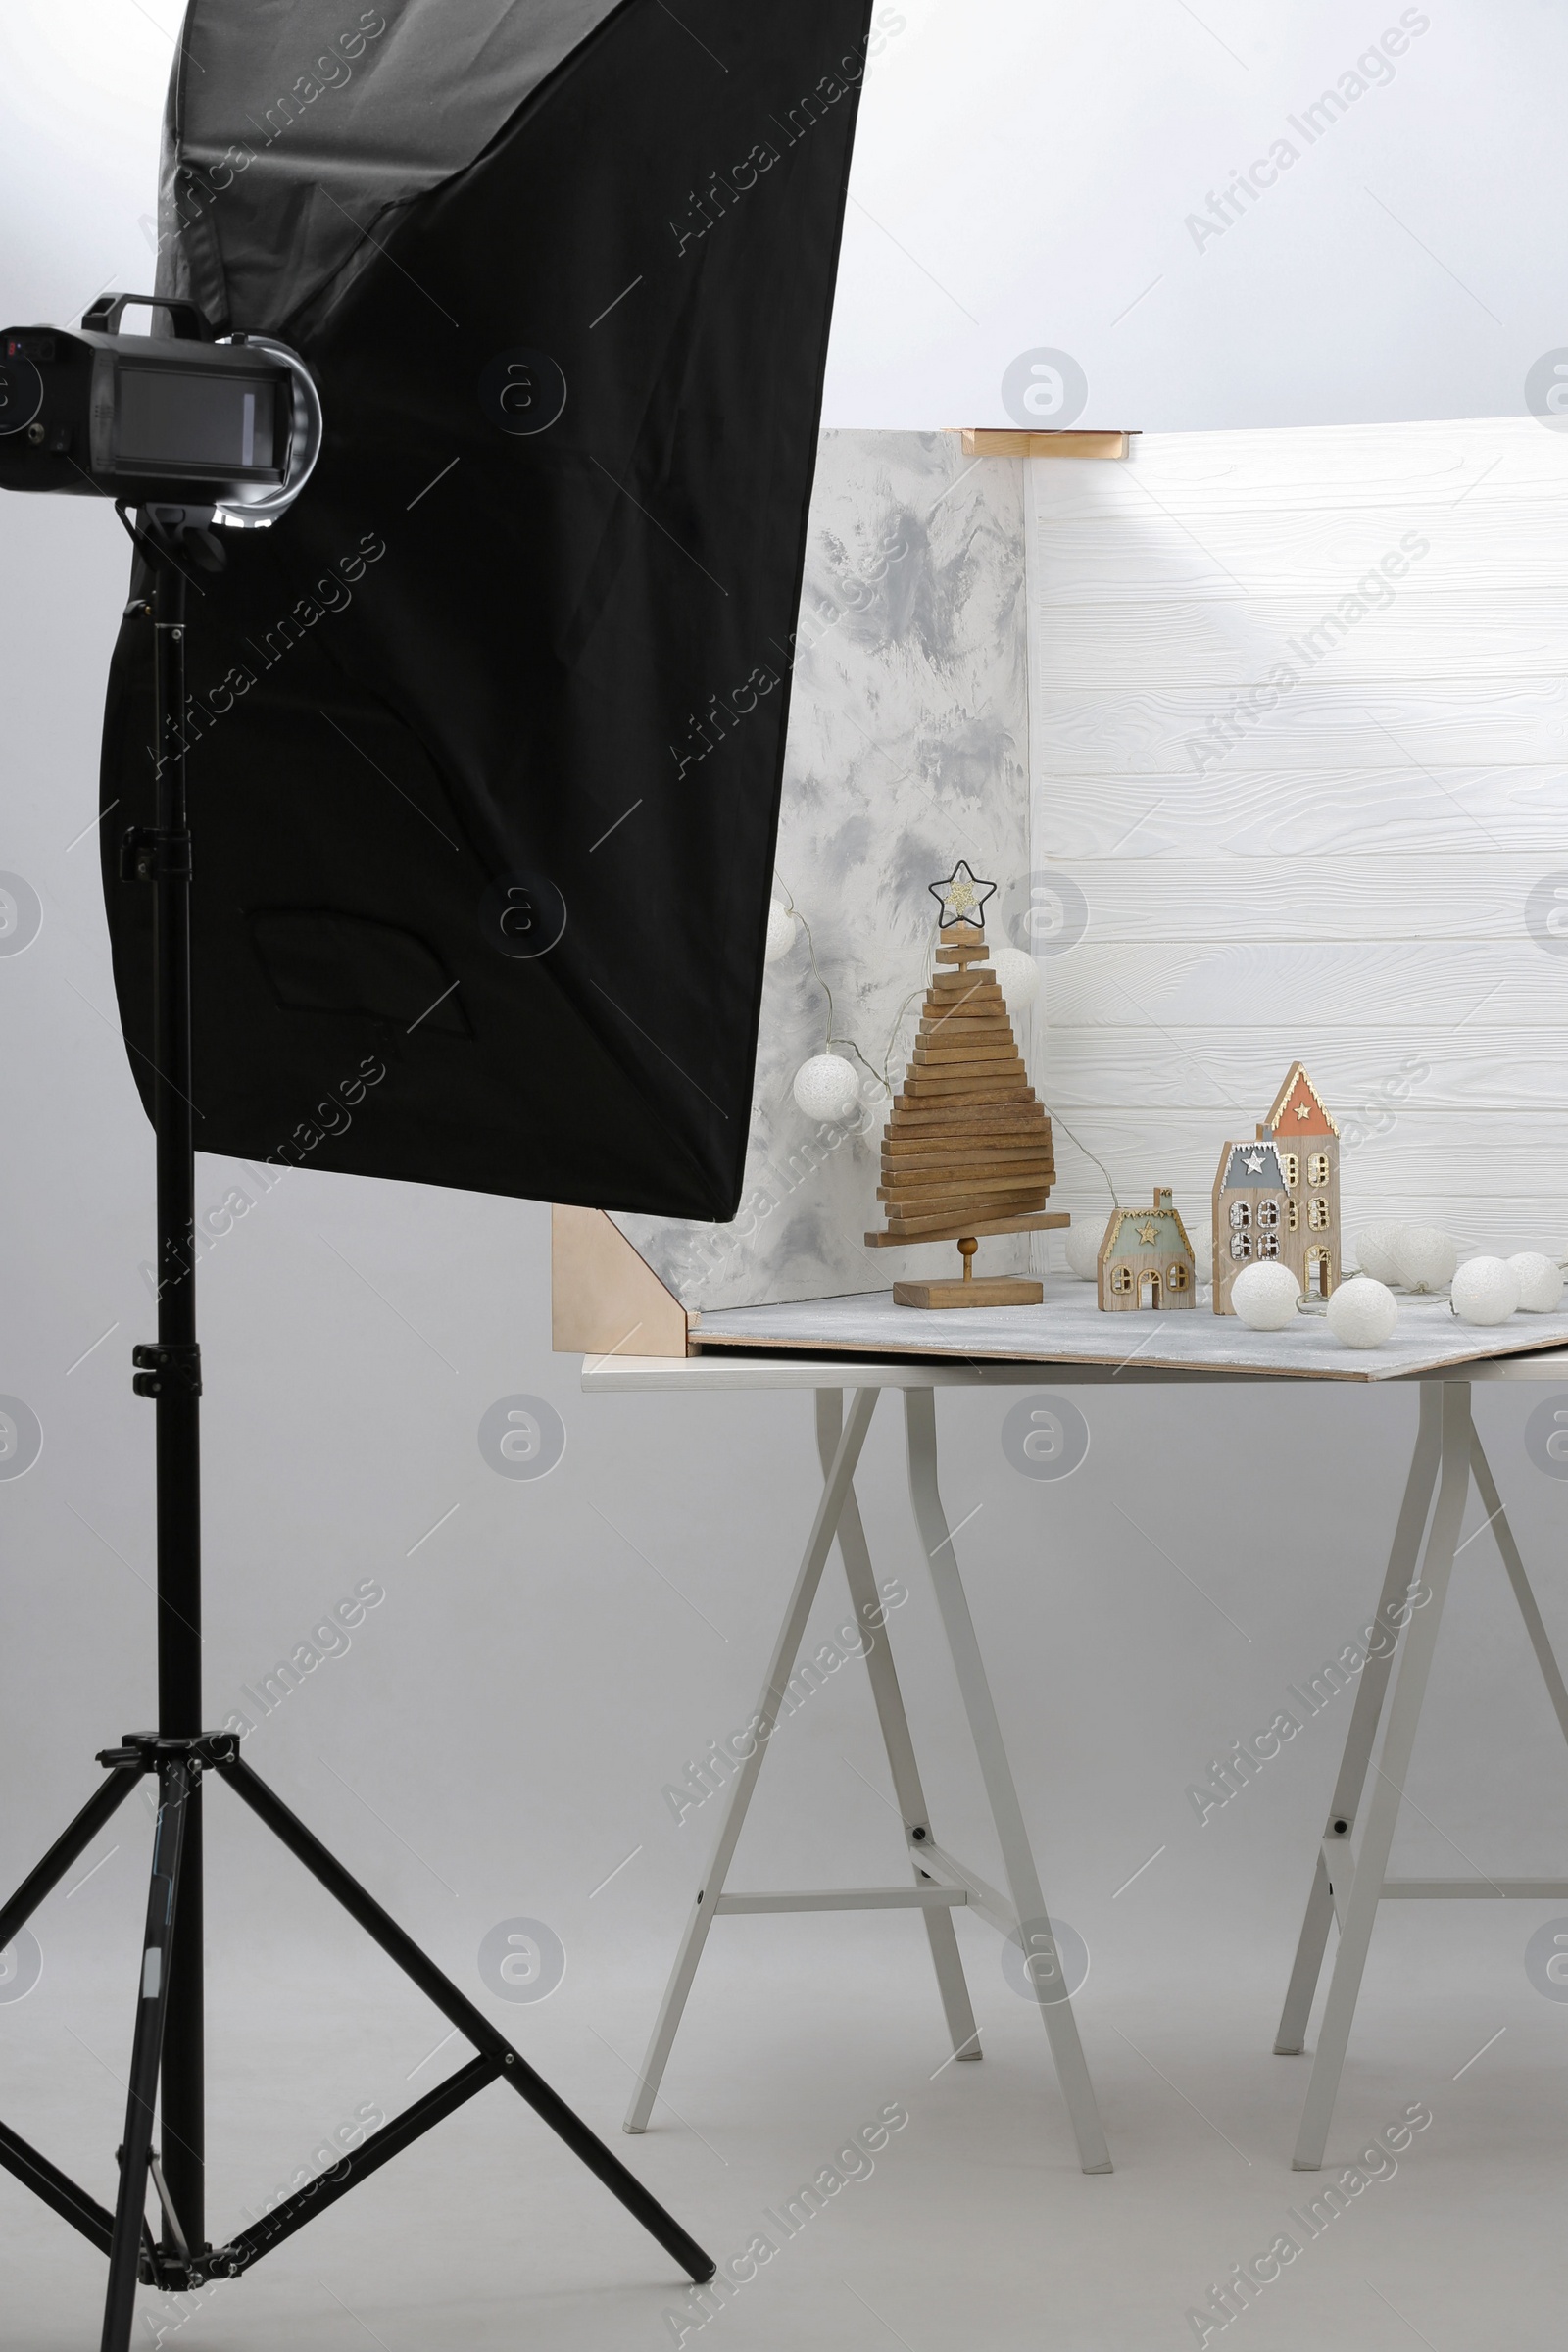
{"points": [[1278, 1195], [1146, 1259], [967, 1150]]}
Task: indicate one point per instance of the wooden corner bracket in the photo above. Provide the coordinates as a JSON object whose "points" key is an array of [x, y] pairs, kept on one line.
{"points": [[605, 1299]]}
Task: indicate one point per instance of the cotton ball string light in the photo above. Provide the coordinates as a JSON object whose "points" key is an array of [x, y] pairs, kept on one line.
{"points": [[780, 932], [826, 1089], [1377, 1252], [1017, 977], [1264, 1296], [1083, 1250], [1539, 1281], [1425, 1257], [1486, 1289], [1362, 1313], [1204, 1257]]}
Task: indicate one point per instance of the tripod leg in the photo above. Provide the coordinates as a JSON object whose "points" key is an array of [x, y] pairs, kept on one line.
{"points": [[1365, 1715], [182, 2096], [146, 2052], [383, 1929], [75, 1840], [963, 2034]]}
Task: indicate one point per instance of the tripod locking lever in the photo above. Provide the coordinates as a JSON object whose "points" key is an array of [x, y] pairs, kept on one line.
{"points": [[147, 854], [167, 1368]]}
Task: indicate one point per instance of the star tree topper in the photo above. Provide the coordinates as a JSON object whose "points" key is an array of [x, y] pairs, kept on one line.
{"points": [[961, 897]]}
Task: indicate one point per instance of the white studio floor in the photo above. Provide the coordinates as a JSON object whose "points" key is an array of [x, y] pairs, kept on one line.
{"points": [[975, 2227]]}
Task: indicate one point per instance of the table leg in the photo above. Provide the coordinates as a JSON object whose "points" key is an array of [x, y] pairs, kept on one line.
{"points": [[1291, 2039], [1372, 1862], [1018, 1862], [870, 1618], [1535, 1625], [786, 1649]]}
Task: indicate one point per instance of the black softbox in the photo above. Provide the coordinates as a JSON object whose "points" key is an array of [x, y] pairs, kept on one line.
{"points": [[486, 735]]}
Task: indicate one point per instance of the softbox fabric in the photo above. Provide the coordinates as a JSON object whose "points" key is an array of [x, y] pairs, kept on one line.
{"points": [[485, 737]]}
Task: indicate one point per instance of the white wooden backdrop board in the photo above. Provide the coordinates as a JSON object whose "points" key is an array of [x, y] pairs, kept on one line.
{"points": [[1359, 866]]}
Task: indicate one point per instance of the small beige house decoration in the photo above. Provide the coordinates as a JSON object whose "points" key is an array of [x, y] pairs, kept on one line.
{"points": [[1278, 1195], [1146, 1259]]}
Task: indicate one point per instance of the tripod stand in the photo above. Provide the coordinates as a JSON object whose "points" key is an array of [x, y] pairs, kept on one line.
{"points": [[167, 2066]]}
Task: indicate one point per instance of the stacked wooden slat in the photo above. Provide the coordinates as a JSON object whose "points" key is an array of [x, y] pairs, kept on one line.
{"points": [[967, 1147]]}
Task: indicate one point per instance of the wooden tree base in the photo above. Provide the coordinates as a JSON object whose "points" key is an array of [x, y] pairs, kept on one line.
{"points": [[985, 1290]]}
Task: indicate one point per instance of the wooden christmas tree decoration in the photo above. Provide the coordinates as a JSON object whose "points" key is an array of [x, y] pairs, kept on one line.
{"points": [[968, 1149]]}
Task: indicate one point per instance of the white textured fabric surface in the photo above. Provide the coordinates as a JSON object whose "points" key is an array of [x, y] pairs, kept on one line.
{"points": [[1071, 1329]]}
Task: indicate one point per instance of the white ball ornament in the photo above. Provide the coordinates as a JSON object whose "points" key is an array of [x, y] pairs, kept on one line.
{"points": [[1362, 1313], [1425, 1257], [1204, 1256], [826, 1089], [1264, 1296], [1083, 1250], [780, 932], [1486, 1289], [1539, 1281], [1377, 1252], [1017, 977]]}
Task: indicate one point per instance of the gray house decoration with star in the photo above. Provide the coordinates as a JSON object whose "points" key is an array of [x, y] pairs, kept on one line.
{"points": [[1277, 1195], [1146, 1259]]}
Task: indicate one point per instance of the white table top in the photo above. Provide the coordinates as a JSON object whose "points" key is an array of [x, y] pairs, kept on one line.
{"points": [[1071, 1339]]}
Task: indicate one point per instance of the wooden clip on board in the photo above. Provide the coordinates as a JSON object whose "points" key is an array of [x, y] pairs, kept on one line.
{"points": [[986, 441]]}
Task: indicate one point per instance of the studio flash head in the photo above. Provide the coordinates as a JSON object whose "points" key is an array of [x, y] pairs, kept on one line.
{"points": [[232, 426]]}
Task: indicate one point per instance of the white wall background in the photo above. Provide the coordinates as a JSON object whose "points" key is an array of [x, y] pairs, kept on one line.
{"points": [[1041, 173], [496, 1740]]}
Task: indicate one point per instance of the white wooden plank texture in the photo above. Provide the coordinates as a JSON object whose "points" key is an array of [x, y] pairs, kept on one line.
{"points": [[1346, 875]]}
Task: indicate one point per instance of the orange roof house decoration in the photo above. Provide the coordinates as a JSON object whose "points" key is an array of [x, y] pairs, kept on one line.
{"points": [[1146, 1259], [1277, 1195], [966, 1151]]}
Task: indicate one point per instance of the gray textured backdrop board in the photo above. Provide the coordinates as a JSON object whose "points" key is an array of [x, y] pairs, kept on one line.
{"points": [[909, 749]]}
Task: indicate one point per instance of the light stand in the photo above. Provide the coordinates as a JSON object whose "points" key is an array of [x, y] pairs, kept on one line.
{"points": [[167, 2067]]}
